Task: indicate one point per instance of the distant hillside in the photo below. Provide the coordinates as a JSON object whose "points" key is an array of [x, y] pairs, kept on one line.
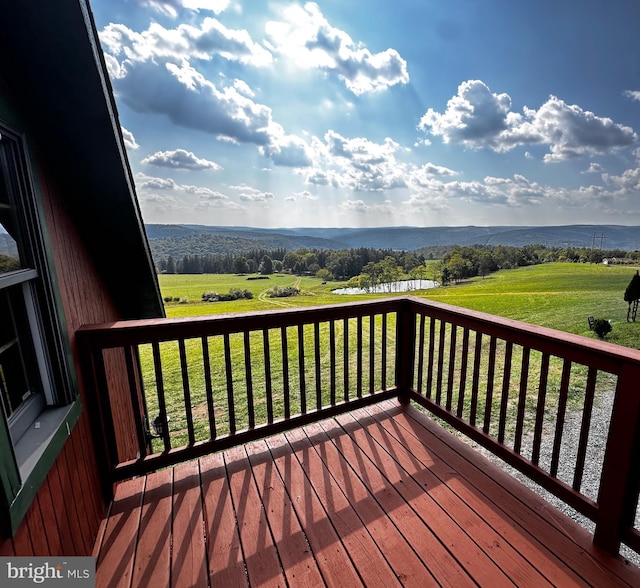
{"points": [[180, 240]]}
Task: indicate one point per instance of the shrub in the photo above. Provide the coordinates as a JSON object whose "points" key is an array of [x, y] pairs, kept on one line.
{"points": [[282, 291], [233, 294]]}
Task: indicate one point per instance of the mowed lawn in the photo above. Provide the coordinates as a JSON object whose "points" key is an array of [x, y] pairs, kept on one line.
{"points": [[557, 295]]}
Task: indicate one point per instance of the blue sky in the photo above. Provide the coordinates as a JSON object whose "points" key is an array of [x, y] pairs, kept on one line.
{"points": [[373, 113]]}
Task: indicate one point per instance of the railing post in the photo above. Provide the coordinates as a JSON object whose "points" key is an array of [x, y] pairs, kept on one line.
{"points": [[618, 495], [405, 350]]}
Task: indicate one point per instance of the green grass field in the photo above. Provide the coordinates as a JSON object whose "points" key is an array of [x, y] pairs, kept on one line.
{"points": [[559, 295], [556, 295]]}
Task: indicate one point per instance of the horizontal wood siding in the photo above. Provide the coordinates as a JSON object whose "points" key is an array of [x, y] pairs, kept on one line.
{"points": [[65, 516]]}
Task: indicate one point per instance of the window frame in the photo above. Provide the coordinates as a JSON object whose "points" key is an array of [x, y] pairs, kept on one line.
{"points": [[25, 464]]}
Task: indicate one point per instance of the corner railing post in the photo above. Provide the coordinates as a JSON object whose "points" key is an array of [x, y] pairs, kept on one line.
{"points": [[618, 495], [405, 350]]}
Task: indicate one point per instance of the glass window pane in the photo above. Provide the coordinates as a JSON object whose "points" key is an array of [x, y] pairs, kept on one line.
{"points": [[18, 366], [9, 255]]}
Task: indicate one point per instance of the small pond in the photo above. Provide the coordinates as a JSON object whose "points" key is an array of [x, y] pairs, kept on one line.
{"points": [[401, 286]]}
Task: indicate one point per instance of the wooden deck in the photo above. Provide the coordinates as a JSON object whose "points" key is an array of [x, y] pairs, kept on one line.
{"points": [[379, 497]]}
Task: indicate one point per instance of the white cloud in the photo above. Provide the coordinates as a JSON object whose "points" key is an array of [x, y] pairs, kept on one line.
{"points": [[306, 37], [632, 94], [478, 118], [594, 168], [129, 139], [184, 42], [361, 207], [180, 159], [171, 8]]}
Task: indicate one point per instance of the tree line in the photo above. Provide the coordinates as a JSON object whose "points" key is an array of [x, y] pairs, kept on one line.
{"points": [[455, 263]]}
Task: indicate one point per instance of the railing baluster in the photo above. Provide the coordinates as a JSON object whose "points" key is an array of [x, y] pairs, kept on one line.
{"points": [[420, 348], [318, 367], [134, 390], [206, 364], [562, 408], [372, 352], [522, 398], [542, 397], [285, 373], [345, 357], [332, 360], [584, 428], [432, 341], [384, 351], [359, 371], [162, 407], [504, 399], [229, 374], [477, 355], [267, 374], [491, 370], [463, 371], [440, 369], [301, 368], [452, 365], [249, 380], [186, 390]]}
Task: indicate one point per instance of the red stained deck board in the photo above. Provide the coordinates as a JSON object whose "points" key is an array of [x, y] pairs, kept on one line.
{"points": [[418, 537], [381, 497], [426, 459], [296, 556], [226, 563], [363, 550], [331, 556], [188, 559], [555, 532], [153, 554], [430, 496], [118, 547], [261, 557]]}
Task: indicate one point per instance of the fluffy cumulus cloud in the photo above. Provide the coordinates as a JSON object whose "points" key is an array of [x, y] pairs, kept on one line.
{"points": [[180, 159], [362, 207], [305, 36], [478, 118], [172, 8], [185, 42], [356, 163], [129, 139], [249, 194], [174, 196]]}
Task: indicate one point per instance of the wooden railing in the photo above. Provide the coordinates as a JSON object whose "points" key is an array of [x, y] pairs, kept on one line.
{"points": [[515, 389]]}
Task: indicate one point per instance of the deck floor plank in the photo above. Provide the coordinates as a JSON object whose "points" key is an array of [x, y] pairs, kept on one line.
{"points": [[383, 496], [260, 554], [467, 536], [296, 556], [188, 553], [226, 562], [556, 532], [507, 530], [119, 541], [362, 549], [153, 560]]}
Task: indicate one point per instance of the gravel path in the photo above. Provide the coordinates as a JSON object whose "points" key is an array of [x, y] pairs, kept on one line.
{"points": [[597, 443]]}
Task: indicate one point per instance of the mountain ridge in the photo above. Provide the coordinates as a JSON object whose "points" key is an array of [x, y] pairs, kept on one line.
{"points": [[188, 239]]}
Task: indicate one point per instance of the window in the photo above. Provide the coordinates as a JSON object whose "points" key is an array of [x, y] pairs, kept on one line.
{"points": [[37, 405]]}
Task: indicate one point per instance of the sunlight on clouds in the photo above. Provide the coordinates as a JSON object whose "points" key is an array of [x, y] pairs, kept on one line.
{"points": [[171, 7], [129, 139], [180, 159], [478, 118], [306, 37]]}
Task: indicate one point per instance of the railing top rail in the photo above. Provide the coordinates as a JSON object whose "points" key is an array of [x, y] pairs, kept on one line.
{"points": [[598, 354], [129, 332]]}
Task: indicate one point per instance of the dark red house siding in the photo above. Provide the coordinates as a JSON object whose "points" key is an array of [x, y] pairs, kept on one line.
{"points": [[64, 518]]}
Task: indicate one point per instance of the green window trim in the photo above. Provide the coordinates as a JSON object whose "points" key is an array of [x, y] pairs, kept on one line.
{"points": [[18, 496]]}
